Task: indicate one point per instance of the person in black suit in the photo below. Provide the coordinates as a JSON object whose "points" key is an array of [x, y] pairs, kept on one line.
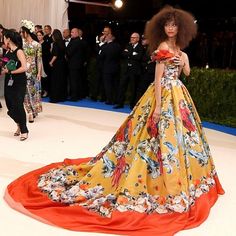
{"points": [[98, 85], [148, 69], [76, 57], [133, 54], [66, 36], [85, 82], [110, 55]]}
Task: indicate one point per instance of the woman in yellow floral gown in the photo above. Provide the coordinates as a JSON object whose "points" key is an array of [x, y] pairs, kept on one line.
{"points": [[156, 175]]}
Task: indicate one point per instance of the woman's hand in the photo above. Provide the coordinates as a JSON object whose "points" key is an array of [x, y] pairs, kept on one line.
{"points": [[38, 77], [178, 60], [51, 63], [156, 114], [4, 70]]}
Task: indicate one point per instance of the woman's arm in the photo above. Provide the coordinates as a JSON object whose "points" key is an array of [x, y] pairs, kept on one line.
{"points": [[52, 60], [184, 66], [159, 70], [157, 82], [54, 54], [39, 61]]}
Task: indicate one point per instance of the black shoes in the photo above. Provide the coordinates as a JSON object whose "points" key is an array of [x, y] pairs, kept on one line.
{"points": [[93, 99], [31, 118], [109, 103]]}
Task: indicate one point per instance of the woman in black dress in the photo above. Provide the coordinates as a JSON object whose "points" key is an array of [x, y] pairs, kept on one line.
{"points": [[58, 85], [1, 50], [15, 82]]}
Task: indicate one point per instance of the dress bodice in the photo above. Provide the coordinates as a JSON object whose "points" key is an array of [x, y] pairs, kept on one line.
{"points": [[171, 71]]}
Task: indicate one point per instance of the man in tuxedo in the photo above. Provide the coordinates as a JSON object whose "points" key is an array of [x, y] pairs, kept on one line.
{"points": [[85, 82], [76, 58], [133, 55], [99, 90], [66, 36], [110, 55]]}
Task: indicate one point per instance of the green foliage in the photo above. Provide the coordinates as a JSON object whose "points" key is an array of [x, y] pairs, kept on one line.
{"points": [[212, 90], [214, 94]]}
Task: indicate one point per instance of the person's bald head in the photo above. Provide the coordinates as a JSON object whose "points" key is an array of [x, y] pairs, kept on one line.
{"points": [[74, 33], [134, 38], [66, 33]]}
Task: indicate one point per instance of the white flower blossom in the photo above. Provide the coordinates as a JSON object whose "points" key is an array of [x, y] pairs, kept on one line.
{"points": [[28, 24]]}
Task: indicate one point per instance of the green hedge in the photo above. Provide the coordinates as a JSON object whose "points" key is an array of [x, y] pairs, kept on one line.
{"points": [[214, 94]]}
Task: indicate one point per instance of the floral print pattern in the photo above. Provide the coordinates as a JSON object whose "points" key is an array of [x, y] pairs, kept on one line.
{"points": [[33, 52], [146, 167]]}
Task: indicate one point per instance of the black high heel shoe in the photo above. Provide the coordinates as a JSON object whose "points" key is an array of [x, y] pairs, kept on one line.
{"points": [[31, 118]]}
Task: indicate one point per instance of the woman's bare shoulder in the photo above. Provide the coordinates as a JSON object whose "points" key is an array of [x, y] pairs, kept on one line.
{"points": [[163, 46], [184, 54]]}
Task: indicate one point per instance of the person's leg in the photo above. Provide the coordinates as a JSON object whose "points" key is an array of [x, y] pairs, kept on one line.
{"points": [[122, 90], [19, 114], [133, 90], [108, 88], [73, 83]]}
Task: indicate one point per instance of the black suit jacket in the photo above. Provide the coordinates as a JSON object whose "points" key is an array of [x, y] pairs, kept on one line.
{"points": [[110, 56], [76, 53], [134, 57], [148, 64], [99, 59]]}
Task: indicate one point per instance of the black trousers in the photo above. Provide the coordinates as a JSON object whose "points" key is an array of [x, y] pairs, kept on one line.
{"points": [[97, 86], [75, 83], [146, 79], [14, 96], [111, 83]]}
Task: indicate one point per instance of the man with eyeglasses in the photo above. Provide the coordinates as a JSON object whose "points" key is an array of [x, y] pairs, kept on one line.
{"points": [[133, 55]]}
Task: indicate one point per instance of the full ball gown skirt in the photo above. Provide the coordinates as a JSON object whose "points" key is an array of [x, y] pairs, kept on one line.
{"points": [[152, 179]]}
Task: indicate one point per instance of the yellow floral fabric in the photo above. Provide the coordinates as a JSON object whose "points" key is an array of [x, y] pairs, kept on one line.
{"points": [[146, 167]]}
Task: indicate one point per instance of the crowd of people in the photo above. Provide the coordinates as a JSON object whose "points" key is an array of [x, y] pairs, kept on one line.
{"points": [[64, 57], [112, 82], [57, 66]]}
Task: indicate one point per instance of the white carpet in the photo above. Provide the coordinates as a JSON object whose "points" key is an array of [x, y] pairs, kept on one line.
{"points": [[70, 132]]}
